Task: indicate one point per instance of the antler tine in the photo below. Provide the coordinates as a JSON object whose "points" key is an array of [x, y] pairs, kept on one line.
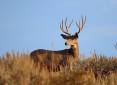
{"points": [[70, 24], [78, 25], [66, 25], [83, 21], [62, 28], [61, 25], [81, 24]]}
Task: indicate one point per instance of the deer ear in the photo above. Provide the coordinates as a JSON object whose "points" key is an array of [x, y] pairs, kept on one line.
{"points": [[63, 36]]}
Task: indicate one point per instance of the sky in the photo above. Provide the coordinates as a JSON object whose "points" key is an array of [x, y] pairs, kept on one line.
{"points": [[27, 25]]}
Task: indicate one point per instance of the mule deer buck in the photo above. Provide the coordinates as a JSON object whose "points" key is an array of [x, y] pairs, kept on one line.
{"points": [[52, 60]]}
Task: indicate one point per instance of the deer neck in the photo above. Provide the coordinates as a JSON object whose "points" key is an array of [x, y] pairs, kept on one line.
{"points": [[75, 52]]}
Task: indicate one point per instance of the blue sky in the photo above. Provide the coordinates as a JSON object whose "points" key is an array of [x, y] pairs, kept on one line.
{"points": [[26, 25]]}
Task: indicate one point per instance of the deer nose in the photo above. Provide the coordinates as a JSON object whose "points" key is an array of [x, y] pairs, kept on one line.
{"points": [[65, 43]]}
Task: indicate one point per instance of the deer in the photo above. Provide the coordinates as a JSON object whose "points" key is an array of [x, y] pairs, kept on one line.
{"points": [[53, 60]]}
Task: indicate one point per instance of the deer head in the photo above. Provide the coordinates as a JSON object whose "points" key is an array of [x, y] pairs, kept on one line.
{"points": [[71, 40]]}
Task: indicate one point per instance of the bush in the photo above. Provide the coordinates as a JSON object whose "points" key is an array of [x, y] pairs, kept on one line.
{"points": [[18, 69]]}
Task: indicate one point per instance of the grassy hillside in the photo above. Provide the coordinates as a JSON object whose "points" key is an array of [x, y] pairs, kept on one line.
{"points": [[18, 69]]}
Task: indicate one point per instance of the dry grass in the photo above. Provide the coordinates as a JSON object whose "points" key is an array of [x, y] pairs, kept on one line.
{"points": [[18, 69]]}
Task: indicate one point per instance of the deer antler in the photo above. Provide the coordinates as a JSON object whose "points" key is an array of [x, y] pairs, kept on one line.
{"points": [[80, 24], [66, 26]]}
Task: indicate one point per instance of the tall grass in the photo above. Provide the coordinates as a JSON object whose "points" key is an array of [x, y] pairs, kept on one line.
{"points": [[19, 69]]}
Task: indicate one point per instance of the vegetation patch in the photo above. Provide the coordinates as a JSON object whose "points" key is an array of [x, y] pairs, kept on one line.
{"points": [[19, 69]]}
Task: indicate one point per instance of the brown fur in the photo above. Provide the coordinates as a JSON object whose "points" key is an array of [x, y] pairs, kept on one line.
{"points": [[52, 60]]}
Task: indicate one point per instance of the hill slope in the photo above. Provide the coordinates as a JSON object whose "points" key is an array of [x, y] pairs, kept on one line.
{"points": [[18, 69]]}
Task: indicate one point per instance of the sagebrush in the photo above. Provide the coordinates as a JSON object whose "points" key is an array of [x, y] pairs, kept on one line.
{"points": [[19, 69]]}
